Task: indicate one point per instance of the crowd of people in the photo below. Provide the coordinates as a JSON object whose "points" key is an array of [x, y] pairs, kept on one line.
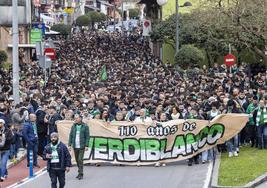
{"points": [[139, 87]]}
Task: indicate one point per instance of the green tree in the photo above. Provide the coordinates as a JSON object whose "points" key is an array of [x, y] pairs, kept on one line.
{"points": [[218, 23], [134, 13], [246, 25], [96, 17], [189, 56], [83, 20], [62, 29], [3, 56]]}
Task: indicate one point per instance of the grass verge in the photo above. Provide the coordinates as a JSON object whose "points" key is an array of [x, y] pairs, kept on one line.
{"points": [[236, 171]]}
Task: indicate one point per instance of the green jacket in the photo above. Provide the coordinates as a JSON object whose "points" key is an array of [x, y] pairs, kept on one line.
{"points": [[250, 110], [84, 136]]}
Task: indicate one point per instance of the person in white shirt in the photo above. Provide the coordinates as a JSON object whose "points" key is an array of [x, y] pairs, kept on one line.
{"points": [[143, 118]]}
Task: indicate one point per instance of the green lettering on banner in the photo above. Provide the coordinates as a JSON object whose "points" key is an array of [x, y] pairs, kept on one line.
{"points": [[203, 137], [152, 149], [163, 153], [215, 133], [101, 148], [178, 146], [115, 148], [142, 150], [131, 149], [191, 143], [90, 146]]}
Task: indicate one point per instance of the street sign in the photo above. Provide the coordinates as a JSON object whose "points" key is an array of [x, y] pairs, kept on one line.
{"points": [[69, 10], [39, 49], [229, 60], [50, 52], [45, 62], [35, 36], [146, 27]]}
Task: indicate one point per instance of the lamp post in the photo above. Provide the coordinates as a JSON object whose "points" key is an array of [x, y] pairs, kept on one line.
{"points": [[186, 4], [15, 56]]}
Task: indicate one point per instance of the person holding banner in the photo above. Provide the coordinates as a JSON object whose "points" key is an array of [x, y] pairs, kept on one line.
{"points": [[232, 144], [194, 115], [58, 160], [143, 117], [79, 141]]}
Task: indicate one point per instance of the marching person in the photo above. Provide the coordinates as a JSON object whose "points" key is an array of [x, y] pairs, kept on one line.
{"points": [[260, 117], [52, 119], [79, 141], [58, 160], [5, 142], [30, 135]]}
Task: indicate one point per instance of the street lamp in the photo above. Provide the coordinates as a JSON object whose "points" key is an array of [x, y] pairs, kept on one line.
{"points": [[186, 4]]}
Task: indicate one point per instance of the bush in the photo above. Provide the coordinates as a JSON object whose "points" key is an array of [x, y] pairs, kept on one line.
{"points": [[82, 20], [189, 56], [3, 56], [134, 13], [62, 29]]}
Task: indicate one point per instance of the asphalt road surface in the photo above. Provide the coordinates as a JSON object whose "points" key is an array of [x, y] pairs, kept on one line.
{"points": [[263, 185], [175, 175]]}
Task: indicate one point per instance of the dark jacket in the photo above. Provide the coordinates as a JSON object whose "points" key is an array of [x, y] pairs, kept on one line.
{"points": [[4, 117], [41, 125], [28, 133], [52, 123], [63, 155], [9, 138], [84, 136]]}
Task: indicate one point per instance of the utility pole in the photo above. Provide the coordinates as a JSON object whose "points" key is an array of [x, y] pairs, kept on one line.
{"points": [[122, 15], [15, 56], [177, 27], [114, 15]]}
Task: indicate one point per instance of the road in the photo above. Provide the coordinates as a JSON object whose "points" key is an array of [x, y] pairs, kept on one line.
{"points": [[172, 176], [263, 185]]}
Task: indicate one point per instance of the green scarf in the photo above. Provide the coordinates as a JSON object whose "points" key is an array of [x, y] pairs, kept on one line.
{"points": [[55, 158], [261, 116]]}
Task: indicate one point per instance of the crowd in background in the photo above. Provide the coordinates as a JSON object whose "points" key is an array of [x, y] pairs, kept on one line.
{"points": [[139, 87]]}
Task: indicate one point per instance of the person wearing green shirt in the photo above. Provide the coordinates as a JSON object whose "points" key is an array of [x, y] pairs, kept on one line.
{"points": [[79, 141], [251, 125], [260, 117]]}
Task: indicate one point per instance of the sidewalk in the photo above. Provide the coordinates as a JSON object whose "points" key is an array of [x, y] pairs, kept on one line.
{"points": [[18, 171], [20, 156]]}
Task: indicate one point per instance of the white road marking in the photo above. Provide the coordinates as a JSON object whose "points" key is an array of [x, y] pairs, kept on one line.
{"points": [[27, 180], [208, 176]]}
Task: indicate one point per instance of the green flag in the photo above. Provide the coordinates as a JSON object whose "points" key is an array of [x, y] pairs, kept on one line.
{"points": [[104, 75]]}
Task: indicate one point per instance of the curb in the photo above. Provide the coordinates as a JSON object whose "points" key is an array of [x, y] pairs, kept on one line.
{"points": [[215, 175], [12, 164], [27, 179]]}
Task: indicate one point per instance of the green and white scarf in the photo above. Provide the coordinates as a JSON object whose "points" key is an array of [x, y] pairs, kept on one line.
{"points": [[258, 118], [55, 158]]}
